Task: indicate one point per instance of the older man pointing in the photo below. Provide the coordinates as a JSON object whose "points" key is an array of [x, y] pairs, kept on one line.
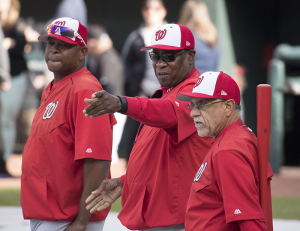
{"points": [[225, 191], [167, 150]]}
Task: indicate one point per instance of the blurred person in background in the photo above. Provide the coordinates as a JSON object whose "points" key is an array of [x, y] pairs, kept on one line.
{"points": [[72, 9], [11, 100], [195, 16], [4, 84], [103, 61], [30, 102], [140, 79], [4, 64]]}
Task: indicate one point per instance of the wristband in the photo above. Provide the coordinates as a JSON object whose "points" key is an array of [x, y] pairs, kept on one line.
{"points": [[124, 103]]}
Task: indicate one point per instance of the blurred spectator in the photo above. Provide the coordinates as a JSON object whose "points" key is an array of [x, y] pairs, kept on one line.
{"points": [[195, 16], [5, 83], [72, 9], [4, 64], [11, 100], [140, 79], [104, 62]]}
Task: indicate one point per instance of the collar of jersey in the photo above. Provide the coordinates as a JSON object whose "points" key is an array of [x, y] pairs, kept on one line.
{"points": [[68, 77], [167, 90], [229, 127]]}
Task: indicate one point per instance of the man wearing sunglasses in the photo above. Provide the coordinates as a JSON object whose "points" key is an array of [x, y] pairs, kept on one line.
{"points": [[167, 150], [66, 156], [225, 191]]}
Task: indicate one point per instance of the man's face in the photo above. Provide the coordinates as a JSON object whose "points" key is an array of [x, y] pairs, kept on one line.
{"points": [[211, 119], [62, 58], [170, 74]]}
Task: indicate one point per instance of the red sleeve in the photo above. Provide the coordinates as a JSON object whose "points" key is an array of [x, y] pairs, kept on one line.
{"points": [[123, 178], [170, 114], [236, 182], [93, 136], [253, 225], [152, 112]]}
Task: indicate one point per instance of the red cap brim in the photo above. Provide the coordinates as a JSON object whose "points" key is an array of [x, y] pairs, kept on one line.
{"points": [[161, 47], [188, 96], [44, 37]]}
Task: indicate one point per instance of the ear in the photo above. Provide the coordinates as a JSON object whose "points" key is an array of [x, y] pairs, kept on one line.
{"points": [[229, 107], [191, 56], [83, 52]]}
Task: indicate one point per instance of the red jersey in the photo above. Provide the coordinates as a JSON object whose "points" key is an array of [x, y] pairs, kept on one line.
{"points": [[163, 161], [61, 137], [226, 187]]}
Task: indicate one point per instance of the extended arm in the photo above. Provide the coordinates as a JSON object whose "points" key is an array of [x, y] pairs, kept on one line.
{"points": [[153, 112]]}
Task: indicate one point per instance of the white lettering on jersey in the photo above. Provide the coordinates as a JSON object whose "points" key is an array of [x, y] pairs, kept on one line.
{"points": [[50, 109], [177, 103], [200, 171], [237, 211]]}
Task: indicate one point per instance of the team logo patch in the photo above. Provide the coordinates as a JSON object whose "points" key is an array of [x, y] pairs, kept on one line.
{"points": [[200, 171], [160, 34], [50, 109], [60, 23], [199, 81]]}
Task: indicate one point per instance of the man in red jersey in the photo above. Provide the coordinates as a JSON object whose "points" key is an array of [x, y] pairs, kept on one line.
{"points": [[67, 155], [225, 191], [167, 149]]}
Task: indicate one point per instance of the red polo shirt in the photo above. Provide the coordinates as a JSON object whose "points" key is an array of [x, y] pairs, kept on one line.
{"points": [[61, 137], [226, 186], [163, 161]]}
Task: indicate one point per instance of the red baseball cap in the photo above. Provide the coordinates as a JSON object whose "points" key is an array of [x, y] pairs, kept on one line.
{"points": [[68, 30], [171, 37], [213, 85]]}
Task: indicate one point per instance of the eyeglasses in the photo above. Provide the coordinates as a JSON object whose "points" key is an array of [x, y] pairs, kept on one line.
{"points": [[64, 31], [167, 57], [200, 105]]}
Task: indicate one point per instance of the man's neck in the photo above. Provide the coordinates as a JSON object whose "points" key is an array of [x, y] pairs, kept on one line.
{"points": [[59, 76], [230, 120]]}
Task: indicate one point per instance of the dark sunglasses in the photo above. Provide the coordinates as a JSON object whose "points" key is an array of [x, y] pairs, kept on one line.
{"points": [[200, 105], [167, 57]]}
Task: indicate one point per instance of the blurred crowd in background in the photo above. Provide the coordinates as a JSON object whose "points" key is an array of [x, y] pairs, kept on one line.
{"points": [[24, 74]]}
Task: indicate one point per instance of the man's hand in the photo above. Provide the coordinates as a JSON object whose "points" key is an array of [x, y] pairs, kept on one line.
{"points": [[76, 226], [108, 192], [102, 103]]}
